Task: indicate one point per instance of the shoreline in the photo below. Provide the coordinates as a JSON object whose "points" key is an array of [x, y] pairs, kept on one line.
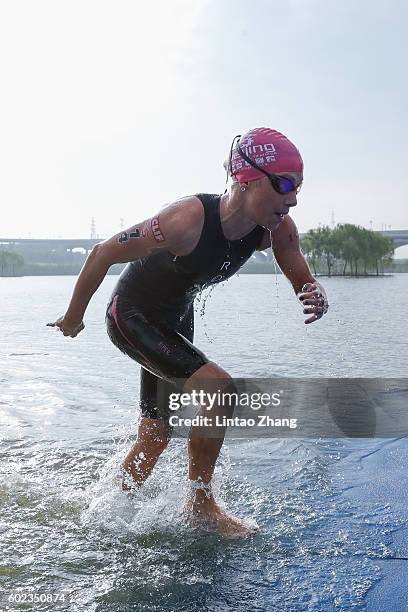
{"points": [[251, 270]]}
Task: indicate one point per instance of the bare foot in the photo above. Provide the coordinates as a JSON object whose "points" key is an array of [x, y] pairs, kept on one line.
{"points": [[122, 483], [125, 481], [208, 513]]}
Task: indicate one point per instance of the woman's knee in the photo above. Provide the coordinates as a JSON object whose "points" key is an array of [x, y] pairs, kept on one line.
{"points": [[216, 382], [210, 370]]}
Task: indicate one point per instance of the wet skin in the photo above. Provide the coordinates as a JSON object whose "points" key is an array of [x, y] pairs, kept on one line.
{"points": [[247, 205]]}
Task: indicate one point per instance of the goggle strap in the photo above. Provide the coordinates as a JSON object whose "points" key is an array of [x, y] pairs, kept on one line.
{"points": [[255, 165], [247, 159], [250, 161], [229, 168]]}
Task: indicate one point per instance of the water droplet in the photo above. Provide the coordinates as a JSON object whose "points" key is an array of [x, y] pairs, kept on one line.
{"points": [[202, 297], [276, 279]]}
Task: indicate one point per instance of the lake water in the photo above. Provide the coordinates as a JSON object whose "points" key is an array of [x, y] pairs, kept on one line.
{"points": [[332, 512]]}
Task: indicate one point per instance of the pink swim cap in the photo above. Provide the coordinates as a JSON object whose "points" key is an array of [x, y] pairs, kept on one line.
{"points": [[269, 149]]}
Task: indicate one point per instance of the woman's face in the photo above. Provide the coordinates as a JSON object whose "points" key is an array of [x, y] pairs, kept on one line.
{"points": [[267, 207]]}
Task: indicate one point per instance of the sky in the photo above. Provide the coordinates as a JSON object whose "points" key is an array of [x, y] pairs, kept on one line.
{"points": [[112, 109]]}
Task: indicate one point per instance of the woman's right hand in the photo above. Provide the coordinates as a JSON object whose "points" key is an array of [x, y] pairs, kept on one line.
{"points": [[67, 326]]}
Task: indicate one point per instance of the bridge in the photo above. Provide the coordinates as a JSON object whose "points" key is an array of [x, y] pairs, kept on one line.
{"points": [[399, 237], [55, 250], [59, 250]]}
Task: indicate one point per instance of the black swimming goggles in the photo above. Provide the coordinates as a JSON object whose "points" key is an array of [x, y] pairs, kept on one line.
{"points": [[281, 184]]}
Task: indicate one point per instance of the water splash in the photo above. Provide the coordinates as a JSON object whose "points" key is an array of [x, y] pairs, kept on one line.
{"points": [[202, 298], [276, 279]]}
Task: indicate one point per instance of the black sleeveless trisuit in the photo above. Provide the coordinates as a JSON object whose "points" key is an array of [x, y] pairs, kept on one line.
{"points": [[150, 315]]}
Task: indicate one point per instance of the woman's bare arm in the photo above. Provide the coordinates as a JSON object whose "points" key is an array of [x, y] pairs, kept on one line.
{"points": [[288, 254], [173, 229], [290, 259]]}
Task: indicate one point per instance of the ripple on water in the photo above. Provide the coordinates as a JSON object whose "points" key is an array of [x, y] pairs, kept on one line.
{"points": [[316, 548]]}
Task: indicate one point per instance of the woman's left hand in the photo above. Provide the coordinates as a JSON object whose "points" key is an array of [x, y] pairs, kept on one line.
{"points": [[314, 300], [67, 326]]}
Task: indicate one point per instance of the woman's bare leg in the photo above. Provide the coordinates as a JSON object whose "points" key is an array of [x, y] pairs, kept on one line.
{"points": [[152, 438], [204, 448]]}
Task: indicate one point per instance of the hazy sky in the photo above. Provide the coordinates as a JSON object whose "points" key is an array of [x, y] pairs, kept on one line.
{"points": [[111, 109]]}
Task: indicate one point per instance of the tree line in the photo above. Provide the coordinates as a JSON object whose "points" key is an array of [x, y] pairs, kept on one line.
{"points": [[347, 249], [11, 264]]}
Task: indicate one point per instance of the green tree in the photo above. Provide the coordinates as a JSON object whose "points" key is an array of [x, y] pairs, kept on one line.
{"points": [[312, 247], [11, 264], [347, 246]]}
